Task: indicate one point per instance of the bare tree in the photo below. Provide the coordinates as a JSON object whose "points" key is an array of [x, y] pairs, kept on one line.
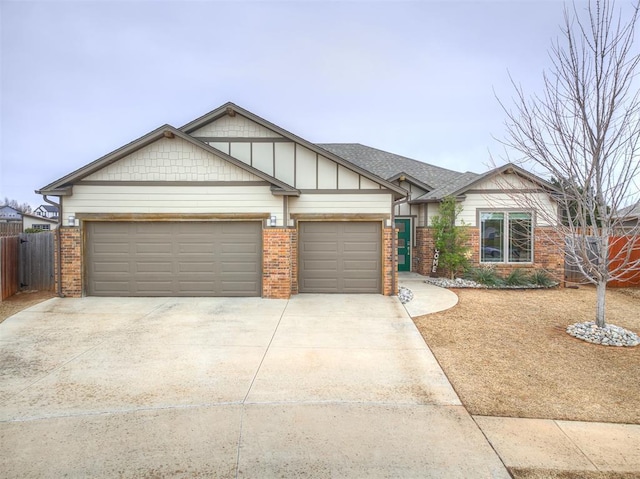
{"points": [[583, 130]]}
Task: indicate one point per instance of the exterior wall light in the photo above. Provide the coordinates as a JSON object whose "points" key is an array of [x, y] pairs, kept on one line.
{"points": [[71, 220], [272, 220]]}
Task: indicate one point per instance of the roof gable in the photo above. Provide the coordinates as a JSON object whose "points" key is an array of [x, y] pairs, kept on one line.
{"points": [[467, 181], [171, 160], [211, 123], [63, 185]]}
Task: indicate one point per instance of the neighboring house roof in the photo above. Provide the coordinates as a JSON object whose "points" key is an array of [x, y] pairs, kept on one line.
{"points": [[9, 213], [351, 163], [62, 186], [389, 165], [48, 208], [629, 212], [41, 218]]}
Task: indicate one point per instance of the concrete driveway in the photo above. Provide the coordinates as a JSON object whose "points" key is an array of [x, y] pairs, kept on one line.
{"points": [[317, 386]]}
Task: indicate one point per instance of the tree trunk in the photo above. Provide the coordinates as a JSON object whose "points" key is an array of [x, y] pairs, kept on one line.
{"points": [[601, 290]]}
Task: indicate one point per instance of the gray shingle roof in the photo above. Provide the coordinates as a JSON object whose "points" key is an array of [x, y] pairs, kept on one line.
{"points": [[387, 165]]}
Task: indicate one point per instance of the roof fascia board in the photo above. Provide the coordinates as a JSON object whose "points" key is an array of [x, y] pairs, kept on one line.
{"points": [[222, 110]]}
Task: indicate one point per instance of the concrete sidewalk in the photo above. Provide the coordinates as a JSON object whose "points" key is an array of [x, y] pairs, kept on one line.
{"points": [[541, 444], [563, 445]]}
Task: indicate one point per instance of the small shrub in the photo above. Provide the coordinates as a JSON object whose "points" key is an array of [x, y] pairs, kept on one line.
{"points": [[517, 278], [485, 275], [540, 278], [33, 230]]}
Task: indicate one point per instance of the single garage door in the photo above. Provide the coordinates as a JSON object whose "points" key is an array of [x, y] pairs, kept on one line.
{"points": [[340, 257], [174, 258]]}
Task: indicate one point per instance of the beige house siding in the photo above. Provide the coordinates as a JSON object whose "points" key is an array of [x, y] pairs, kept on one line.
{"points": [[348, 204], [234, 126], [546, 209], [173, 200], [171, 160]]}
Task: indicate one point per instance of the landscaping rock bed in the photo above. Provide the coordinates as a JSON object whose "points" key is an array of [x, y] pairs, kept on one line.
{"points": [[467, 283], [610, 335], [405, 295]]}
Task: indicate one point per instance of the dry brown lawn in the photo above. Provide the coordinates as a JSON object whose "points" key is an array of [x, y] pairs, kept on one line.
{"points": [[20, 301], [507, 354]]}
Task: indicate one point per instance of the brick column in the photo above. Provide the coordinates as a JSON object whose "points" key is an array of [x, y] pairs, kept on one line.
{"points": [[388, 270], [278, 262], [71, 249], [423, 251]]}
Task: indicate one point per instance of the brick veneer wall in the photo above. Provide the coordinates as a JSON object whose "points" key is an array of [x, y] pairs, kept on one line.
{"points": [[71, 253], [279, 255], [547, 254], [387, 267]]}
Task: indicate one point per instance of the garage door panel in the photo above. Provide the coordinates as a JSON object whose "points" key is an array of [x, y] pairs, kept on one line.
{"points": [[361, 267], [340, 257], [238, 268], [174, 259]]}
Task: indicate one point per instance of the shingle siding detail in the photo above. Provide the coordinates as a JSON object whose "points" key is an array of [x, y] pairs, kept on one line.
{"points": [[171, 160]]}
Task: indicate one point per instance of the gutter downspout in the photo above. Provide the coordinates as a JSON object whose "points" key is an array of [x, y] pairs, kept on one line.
{"points": [[58, 245], [394, 243]]}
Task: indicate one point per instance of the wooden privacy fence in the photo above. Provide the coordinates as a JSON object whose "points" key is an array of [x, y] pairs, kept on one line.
{"points": [[621, 249], [10, 229], [9, 266], [26, 263]]}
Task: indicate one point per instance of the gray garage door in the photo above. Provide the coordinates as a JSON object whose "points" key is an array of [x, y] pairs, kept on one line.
{"points": [[174, 258], [340, 257]]}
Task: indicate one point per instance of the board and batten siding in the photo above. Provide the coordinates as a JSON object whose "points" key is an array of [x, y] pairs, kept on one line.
{"points": [[295, 165], [340, 203], [282, 158], [172, 199]]}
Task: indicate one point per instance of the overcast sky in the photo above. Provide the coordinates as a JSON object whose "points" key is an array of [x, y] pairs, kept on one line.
{"points": [[82, 78]]}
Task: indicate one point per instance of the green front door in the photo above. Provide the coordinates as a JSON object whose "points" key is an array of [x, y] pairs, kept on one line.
{"points": [[404, 244]]}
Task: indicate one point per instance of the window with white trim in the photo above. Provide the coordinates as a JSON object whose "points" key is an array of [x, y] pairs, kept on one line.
{"points": [[506, 237]]}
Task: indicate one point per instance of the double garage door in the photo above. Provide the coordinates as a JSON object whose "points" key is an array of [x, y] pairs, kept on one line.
{"points": [[225, 258], [174, 258]]}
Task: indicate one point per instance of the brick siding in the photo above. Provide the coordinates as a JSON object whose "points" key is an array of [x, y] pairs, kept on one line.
{"points": [[388, 270], [71, 249], [546, 254], [279, 255]]}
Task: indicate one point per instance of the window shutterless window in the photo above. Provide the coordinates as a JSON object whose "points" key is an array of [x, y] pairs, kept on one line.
{"points": [[506, 237]]}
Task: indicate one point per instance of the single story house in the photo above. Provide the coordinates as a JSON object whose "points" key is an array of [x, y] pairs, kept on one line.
{"points": [[231, 204], [37, 222]]}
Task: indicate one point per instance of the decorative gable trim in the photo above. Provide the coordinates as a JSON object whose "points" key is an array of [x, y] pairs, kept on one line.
{"points": [[62, 187], [232, 110]]}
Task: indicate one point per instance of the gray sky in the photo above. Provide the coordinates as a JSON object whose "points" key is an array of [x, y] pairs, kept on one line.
{"points": [[81, 78]]}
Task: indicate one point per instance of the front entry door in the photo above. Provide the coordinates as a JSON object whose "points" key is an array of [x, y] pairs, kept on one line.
{"points": [[404, 243]]}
